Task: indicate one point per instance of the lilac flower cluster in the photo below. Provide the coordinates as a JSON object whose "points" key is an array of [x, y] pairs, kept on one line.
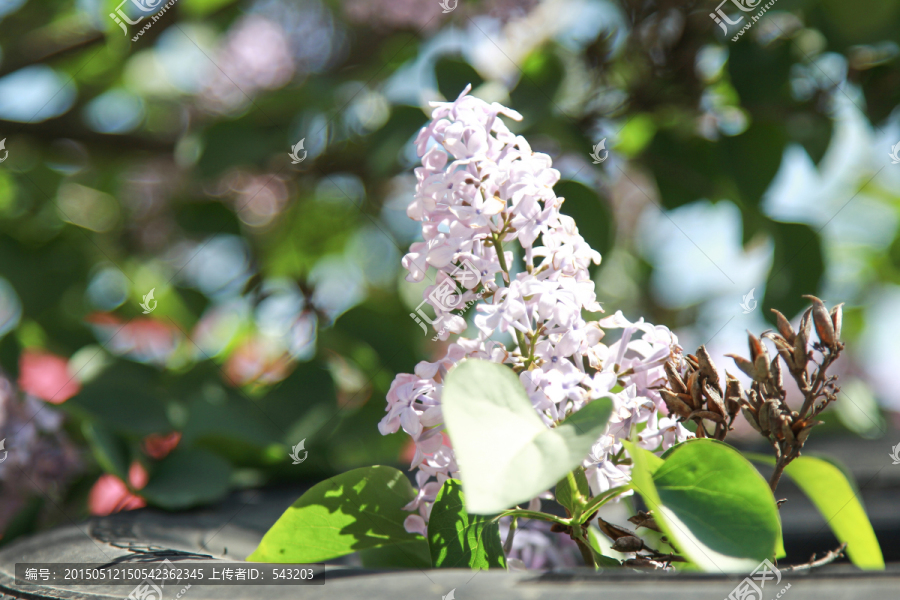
{"points": [[38, 456], [480, 188]]}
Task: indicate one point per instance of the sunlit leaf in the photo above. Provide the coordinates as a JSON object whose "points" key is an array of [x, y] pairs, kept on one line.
{"points": [[506, 454], [353, 511], [458, 539], [711, 502]]}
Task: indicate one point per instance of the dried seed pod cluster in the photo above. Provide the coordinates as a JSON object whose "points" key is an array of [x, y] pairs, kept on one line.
{"points": [[697, 394], [764, 405]]}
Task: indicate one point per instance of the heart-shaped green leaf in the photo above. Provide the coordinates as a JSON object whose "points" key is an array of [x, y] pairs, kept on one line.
{"points": [[458, 539], [834, 495], [506, 454], [711, 502], [359, 509]]}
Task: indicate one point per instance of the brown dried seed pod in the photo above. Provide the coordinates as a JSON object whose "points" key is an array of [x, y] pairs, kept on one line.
{"points": [[695, 390], [707, 367], [775, 370], [686, 398], [691, 360], [675, 380], [744, 365], [751, 418], [801, 342], [645, 519], [806, 324], [753, 400], [714, 400], [761, 368], [785, 350], [757, 348], [837, 319], [822, 321], [733, 394], [786, 432], [705, 414], [628, 543], [764, 419], [675, 404], [784, 326]]}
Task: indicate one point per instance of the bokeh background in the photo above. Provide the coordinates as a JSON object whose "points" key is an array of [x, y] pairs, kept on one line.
{"points": [[282, 313]]}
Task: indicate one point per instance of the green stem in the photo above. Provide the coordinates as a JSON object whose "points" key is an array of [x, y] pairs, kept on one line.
{"points": [[507, 547], [586, 553], [498, 246], [530, 514], [578, 499], [603, 498]]}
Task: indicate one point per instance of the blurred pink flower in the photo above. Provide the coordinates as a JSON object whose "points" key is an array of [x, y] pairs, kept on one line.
{"points": [[257, 361], [47, 376], [142, 339], [158, 446], [111, 495]]}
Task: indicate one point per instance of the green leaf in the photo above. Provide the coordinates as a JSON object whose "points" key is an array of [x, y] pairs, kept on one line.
{"points": [[458, 538], [187, 478], [506, 454], [453, 74], [797, 268], [124, 398], [353, 511], [711, 502], [834, 494], [110, 451], [406, 555], [564, 493]]}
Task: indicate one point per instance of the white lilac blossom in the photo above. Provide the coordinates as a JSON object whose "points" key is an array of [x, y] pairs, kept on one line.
{"points": [[480, 188]]}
